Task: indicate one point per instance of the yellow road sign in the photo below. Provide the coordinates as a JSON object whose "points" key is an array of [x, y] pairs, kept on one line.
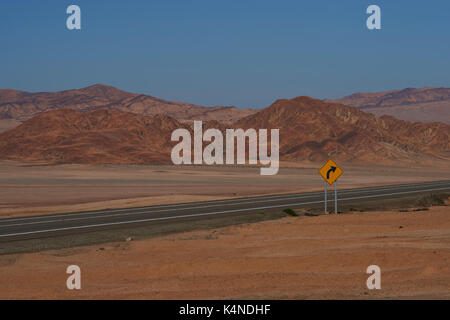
{"points": [[330, 172]]}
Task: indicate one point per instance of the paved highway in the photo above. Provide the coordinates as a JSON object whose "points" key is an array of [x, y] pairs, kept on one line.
{"points": [[70, 223]]}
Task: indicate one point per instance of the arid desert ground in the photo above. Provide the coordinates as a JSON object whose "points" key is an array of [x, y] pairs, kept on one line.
{"points": [[320, 257], [305, 257], [29, 189]]}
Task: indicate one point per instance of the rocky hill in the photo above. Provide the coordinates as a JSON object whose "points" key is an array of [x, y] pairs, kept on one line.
{"points": [[424, 104], [310, 130], [18, 106]]}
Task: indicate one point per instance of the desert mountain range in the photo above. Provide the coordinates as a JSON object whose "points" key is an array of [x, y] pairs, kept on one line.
{"points": [[310, 129], [18, 106], [424, 104], [314, 130], [99, 136], [417, 105]]}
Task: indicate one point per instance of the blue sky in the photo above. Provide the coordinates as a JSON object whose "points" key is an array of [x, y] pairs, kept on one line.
{"points": [[234, 52]]}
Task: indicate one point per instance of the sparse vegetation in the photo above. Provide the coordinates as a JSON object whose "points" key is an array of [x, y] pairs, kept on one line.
{"points": [[354, 210], [430, 200], [414, 210], [290, 212], [311, 214]]}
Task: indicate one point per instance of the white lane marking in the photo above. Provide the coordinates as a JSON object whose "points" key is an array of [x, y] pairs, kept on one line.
{"points": [[243, 200], [208, 213], [69, 217]]}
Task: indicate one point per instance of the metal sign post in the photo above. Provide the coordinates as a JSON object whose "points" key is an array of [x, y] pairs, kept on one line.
{"points": [[330, 172], [335, 198]]}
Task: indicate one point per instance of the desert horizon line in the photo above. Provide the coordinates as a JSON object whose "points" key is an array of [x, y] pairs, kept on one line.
{"points": [[104, 85]]}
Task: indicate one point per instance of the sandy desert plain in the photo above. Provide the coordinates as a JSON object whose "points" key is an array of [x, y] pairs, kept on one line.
{"points": [[322, 257], [288, 258], [33, 188]]}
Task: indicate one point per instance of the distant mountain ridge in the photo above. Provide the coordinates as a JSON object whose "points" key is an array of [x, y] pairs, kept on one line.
{"points": [[310, 130], [99, 136], [314, 130], [21, 106], [429, 104]]}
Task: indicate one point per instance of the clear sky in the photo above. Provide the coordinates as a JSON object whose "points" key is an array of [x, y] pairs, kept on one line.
{"points": [[225, 52]]}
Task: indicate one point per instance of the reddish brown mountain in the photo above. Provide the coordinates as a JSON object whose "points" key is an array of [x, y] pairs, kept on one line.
{"points": [[20, 106], [101, 136], [310, 129], [314, 130], [424, 104]]}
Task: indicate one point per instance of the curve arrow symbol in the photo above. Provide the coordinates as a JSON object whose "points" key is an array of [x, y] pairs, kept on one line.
{"points": [[332, 169]]}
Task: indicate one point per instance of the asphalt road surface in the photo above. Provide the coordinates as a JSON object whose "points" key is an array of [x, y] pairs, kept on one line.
{"points": [[71, 223]]}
